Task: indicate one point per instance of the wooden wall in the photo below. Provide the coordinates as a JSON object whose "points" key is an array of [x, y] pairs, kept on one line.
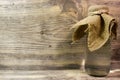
{"points": [[34, 34]]}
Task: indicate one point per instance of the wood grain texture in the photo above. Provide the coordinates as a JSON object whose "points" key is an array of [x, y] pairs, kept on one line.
{"points": [[51, 75], [35, 39], [35, 34]]}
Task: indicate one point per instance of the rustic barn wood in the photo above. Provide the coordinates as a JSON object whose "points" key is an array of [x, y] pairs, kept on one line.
{"points": [[35, 35]]}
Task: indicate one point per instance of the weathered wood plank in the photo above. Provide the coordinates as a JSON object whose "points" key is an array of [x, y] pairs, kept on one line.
{"points": [[35, 35], [51, 75], [36, 30]]}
